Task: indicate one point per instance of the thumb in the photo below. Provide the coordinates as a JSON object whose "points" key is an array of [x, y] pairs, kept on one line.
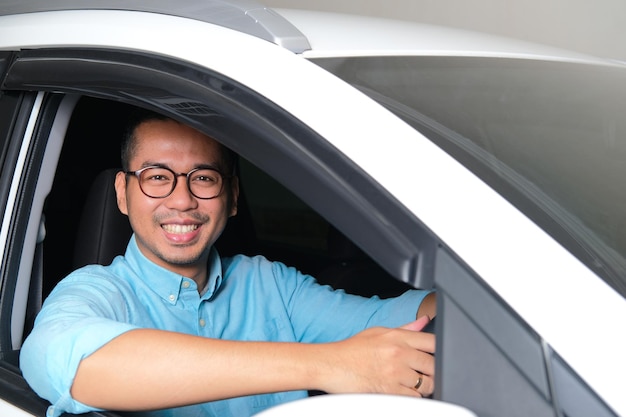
{"points": [[417, 325]]}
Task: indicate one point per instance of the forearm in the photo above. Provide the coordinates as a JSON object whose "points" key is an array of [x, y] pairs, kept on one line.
{"points": [[148, 369], [152, 369]]}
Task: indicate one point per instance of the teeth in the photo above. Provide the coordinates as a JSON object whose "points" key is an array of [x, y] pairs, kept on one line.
{"points": [[179, 228]]}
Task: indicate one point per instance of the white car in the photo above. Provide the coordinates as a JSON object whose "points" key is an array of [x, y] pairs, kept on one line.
{"points": [[489, 169]]}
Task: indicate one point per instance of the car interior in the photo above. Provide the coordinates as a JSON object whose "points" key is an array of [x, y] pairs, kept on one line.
{"points": [[83, 224], [81, 213], [65, 214]]}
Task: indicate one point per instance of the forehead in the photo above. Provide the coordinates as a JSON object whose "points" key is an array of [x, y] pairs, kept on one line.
{"points": [[173, 143]]}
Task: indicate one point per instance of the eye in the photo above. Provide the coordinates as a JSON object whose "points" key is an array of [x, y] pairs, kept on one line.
{"points": [[157, 175], [205, 177]]}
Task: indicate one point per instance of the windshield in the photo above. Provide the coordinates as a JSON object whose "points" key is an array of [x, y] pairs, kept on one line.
{"points": [[549, 136]]}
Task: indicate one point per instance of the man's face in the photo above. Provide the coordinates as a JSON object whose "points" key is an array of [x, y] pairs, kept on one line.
{"points": [[177, 231]]}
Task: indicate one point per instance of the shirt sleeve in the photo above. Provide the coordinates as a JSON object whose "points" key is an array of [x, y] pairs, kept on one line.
{"points": [[320, 314], [80, 315]]}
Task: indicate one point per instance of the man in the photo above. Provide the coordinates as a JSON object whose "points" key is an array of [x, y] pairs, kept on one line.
{"points": [[171, 326]]}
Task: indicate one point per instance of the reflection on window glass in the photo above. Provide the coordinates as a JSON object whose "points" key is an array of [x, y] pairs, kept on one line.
{"points": [[550, 137]]}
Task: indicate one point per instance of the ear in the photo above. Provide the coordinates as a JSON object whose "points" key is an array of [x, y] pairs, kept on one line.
{"points": [[234, 195], [120, 192]]}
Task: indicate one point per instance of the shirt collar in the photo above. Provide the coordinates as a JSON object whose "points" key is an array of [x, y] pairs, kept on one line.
{"points": [[167, 284], [215, 274]]}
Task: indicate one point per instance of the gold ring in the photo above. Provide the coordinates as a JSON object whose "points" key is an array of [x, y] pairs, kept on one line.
{"points": [[419, 382]]}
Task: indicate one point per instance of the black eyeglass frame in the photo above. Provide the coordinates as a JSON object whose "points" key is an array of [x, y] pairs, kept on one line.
{"points": [[137, 174]]}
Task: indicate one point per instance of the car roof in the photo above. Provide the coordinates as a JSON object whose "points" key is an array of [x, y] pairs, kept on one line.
{"points": [[321, 34], [246, 16], [336, 34]]}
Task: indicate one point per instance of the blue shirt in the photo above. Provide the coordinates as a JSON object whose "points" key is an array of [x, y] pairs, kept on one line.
{"points": [[245, 299]]}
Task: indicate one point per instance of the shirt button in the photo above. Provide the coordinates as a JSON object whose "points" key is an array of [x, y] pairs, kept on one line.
{"points": [[202, 323], [172, 297], [186, 284]]}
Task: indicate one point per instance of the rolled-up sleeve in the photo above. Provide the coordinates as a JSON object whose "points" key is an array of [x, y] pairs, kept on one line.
{"points": [[73, 323], [321, 314]]}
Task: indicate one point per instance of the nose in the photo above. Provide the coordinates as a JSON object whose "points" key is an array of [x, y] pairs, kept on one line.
{"points": [[181, 197]]}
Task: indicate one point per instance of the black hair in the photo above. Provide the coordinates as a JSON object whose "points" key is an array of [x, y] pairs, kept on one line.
{"points": [[129, 144], [140, 116]]}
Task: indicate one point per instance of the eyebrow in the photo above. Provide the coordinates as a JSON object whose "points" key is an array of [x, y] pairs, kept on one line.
{"points": [[213, 166]]}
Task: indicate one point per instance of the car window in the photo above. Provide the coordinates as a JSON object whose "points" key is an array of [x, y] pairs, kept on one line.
{"points": [[548, 136], [83, 143], [280, 218], [78, 135], [266, 135], [283, 227]]}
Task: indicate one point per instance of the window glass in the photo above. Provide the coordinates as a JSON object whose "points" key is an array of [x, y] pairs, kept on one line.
{"points": [[279, 217], [549, 136]]}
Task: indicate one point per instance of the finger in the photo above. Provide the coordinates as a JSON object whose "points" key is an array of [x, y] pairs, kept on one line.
{"points": [[417, 325], [424, 342], [423, 362], [418, 383], [409, 391], [424, 385]]}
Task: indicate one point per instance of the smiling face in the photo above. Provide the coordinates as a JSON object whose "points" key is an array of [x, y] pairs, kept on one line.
{"points": [[175, 232]]}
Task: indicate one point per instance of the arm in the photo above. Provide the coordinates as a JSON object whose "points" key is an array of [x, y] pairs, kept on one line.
{"points": [[428, 307], [146, 369]]}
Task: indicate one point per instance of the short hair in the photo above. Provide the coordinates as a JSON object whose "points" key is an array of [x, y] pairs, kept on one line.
{"points": [[140, 116]]}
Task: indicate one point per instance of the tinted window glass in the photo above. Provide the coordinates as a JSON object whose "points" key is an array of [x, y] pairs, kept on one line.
{"points": [[551, 137], [280, 218]]}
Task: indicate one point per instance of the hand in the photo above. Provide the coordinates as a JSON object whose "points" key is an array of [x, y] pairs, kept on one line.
{"points": [[383, 360]]}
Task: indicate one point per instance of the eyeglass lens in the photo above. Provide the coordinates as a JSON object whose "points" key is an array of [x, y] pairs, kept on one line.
{"points": [[158, 182]]}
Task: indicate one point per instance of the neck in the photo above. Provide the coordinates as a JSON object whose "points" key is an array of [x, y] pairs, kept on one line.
{"points": [[192, 268]]}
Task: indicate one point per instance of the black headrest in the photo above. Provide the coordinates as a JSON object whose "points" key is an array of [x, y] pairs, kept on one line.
{"points": [[103, 231]]}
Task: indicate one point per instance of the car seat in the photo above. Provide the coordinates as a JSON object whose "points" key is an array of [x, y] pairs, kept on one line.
{"points": [[103, 231]]}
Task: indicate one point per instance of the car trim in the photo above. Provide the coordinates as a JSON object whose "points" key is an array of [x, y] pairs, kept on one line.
{"points": [[7, 223], [21, 157], [53, 121], [326, 33], [246, 16]]}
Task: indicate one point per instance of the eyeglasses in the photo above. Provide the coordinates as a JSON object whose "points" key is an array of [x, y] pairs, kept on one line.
{"points": [[160, 182]]}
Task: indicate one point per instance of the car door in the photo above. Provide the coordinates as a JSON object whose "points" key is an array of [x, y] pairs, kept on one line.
{"points": [[51, 86]]}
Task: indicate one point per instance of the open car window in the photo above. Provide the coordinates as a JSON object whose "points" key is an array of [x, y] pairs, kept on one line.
{"points": [[272, 221], [294, 209]]}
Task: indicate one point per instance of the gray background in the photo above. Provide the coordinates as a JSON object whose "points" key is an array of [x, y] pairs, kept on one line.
{"points": [[591, 26]]}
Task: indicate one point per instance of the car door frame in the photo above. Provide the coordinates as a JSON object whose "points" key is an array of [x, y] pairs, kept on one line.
{"points": [[247, 122]]}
